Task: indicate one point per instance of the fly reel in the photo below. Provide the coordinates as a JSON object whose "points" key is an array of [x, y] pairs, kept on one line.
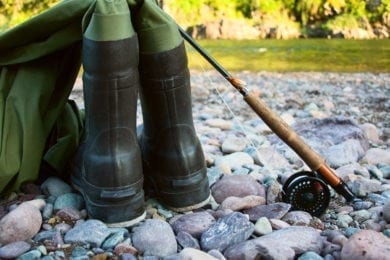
{"points": [[305, 191]]}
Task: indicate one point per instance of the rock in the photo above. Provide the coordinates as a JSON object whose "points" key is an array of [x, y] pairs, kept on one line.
{"points": [[347, 152], [69, 215], [20, 224], [55, 186], [185, 240], [155, 238], [320, 134], [361, 187], [310, 256], [193, 223], [92, 232], [114, 239], [233, 161], [375, 156], [238, 204], [272, 159], [237, 186], [38, 203], [219, 123], [231, 229], [33, 254], [69, 200], [298, 218], [125, 248], [14, 249], [366, 244], [371, 132], [353, 168], [386, 211], [263, 226], [278, 224], [273, 211], [194, 254], [280, 244], [234, 144]]}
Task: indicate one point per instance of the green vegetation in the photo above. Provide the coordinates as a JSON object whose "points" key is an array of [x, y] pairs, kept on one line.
{"points": [[338, 55], [308, 13]]}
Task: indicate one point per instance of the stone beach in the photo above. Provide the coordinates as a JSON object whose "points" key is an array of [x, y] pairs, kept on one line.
{"points": [[343, 116]]}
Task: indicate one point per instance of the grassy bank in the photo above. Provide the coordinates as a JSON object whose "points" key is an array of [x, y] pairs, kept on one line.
{"points": [[336, 55]]}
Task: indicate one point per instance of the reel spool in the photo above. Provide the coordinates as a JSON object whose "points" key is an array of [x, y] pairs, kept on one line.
{"points": [[305, 191]]}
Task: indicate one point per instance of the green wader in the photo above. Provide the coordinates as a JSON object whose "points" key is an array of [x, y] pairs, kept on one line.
{"points": [[125, 46]]}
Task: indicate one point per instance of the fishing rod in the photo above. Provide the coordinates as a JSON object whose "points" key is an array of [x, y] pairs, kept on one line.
{"points": [[305, 190]]}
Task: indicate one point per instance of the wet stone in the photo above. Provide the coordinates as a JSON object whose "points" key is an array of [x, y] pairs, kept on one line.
{"points": [[55, 186], [231, 229]]}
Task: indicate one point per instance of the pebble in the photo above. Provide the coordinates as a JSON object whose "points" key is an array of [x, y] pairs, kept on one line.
{"points": [[280, 244], [69, 200], [155, 238], [238, 204], [237, 186], [298, 218], [263, 226], [20, 224], [273, 211], [55, 186], [194, 224], [92, 232], [318, 108], [366, 244], [228, 230], [14, 249]]}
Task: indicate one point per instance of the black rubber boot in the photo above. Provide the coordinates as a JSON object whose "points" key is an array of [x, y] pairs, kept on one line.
{"points": [[109, 168], [174, 164]]}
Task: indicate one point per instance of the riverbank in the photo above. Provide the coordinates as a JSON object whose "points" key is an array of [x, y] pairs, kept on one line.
{"points": [[344, 116]]}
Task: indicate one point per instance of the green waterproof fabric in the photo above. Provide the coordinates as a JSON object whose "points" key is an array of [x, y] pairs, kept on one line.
{"points": [[39, 62]]}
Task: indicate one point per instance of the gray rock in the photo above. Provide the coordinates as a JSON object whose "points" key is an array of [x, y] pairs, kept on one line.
{"points": [[271, 158], [375, 156], [216, 254], [386, 211], [155, 237], [231, 229], [14, 249], [286, 243], [233, 144], [233, 161], [92, 232], [361, 187], [237, 186], [55, 186], [20, 224], [347, 152], [193, 223], [185, 240], [69, 200], [298, 218], [366, 244], [47, 211], [273, 211], [33, 254]]}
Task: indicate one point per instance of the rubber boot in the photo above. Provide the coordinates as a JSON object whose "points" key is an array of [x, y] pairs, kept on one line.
{"points": [[110, 164], [174, 163]]}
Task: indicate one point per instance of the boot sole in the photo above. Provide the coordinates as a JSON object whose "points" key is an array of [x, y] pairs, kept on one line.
{"points": [[126, 223], [191, 207]]}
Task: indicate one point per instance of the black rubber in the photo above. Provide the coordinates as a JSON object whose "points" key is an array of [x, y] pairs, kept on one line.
{"points": [[174, 164], [108, 168]]}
